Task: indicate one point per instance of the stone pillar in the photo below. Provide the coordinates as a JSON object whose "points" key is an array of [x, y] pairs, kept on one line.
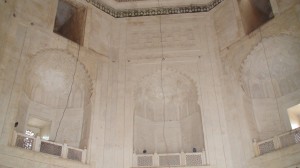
{"points": [[64, 151], [182, 159], [155, 159], [37, 144], [255, 146], [83, 157]]}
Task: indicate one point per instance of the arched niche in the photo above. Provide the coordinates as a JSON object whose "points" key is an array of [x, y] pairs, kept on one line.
{"points": [[57, 89], [270, 77], [169, 125]]}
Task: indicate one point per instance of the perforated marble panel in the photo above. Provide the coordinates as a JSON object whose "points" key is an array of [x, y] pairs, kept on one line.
{"points": [[287, 140], [51, 149], [193, 160], [266, 147], [290, 139], [170, 160], [297, 137], [74, 154], [24, 142], [144, 161]]}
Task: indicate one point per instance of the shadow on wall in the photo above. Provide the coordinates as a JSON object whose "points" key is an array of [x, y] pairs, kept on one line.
{"points": [[70, 21], [255, 13]]}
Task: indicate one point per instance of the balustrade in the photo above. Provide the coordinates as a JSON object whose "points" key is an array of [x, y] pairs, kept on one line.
{"points": [[171, 159], [280, 141], [39, 145]]}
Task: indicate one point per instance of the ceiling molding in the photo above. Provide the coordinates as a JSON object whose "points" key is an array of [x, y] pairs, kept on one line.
{"points": [[122, 13]]}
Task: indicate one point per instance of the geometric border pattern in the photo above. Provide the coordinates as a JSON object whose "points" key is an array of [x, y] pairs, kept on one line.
{"points": [[154, 11]]}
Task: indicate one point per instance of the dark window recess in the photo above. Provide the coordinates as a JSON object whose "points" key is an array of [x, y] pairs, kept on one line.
{"points": [[70, 21], [255, 13]]}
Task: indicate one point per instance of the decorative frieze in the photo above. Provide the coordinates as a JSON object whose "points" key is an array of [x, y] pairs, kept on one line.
{"points": [[122, 13]]}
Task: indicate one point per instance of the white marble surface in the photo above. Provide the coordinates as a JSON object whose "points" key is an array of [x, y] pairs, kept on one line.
{"points": [[208, 49]]}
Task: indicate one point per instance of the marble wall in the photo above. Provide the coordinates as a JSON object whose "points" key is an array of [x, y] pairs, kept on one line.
{"points": [[266, 117], [117, 58]]}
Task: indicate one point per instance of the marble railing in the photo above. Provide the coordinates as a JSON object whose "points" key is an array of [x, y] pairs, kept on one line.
{"points": [[39, 145], [280, 141], [171, 159]]}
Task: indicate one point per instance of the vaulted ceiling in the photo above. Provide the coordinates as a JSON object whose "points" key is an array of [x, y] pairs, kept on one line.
{"points": [[135, 8]]}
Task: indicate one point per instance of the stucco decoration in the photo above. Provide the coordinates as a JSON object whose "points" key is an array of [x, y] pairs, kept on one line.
{"points": [[273, 65], [49, 78]]}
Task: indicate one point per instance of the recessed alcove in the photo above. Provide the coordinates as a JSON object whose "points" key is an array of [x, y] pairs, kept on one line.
{"points": [[55, 101], [168, 121], [270, 78], [70, 21], [39, 126]]}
